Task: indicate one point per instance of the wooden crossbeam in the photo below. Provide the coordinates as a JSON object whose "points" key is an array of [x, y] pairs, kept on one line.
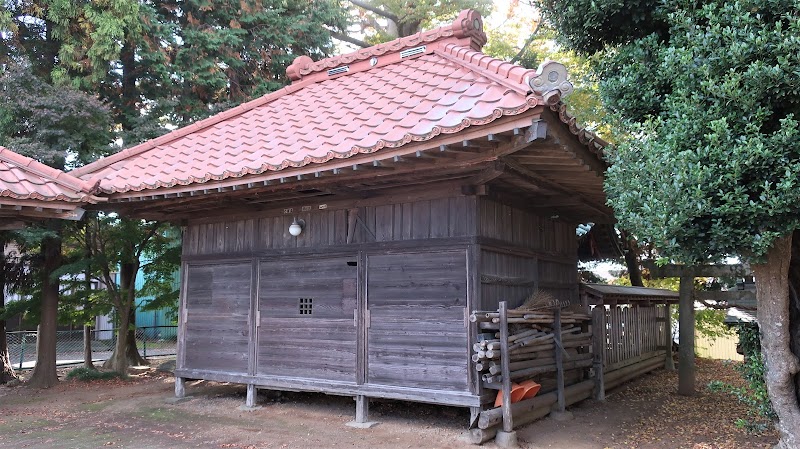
{"points": [[544, 183], [712, 270]]}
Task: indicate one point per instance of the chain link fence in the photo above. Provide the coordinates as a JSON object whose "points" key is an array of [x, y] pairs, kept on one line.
{"points": [[152, 341]]}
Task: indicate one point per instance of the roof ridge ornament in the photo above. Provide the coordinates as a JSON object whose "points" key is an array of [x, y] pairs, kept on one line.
{"points": [[551, 82]]}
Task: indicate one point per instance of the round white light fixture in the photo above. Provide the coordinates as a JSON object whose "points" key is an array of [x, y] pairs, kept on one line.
{"points": [[296, 228]]}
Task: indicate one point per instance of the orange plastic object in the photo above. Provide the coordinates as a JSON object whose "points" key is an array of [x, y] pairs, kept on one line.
{"points": [[517, 392], [531, 388]]}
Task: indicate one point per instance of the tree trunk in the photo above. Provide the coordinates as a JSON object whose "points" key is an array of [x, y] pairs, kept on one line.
{"points": [[631, 255], [87, 347], [6, 370], [130, 97], [132, 351], [782, 366], [118, 361], [125, 351], [44, 373], [87, 286]]}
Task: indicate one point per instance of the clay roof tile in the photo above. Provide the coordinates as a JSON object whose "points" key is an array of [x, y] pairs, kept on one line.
{"points": [[383, 101]]}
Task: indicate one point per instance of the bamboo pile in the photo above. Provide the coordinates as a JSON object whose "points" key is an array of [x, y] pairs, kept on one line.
{"points": [[532, 344]]}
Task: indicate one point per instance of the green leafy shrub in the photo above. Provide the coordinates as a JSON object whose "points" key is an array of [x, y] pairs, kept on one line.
{"points": [[90, 374]]}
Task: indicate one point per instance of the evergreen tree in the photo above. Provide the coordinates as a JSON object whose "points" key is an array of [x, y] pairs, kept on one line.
{"points": [[709, 95], [156, 64]]}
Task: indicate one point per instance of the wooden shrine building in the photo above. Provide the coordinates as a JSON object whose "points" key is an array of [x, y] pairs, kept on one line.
{"points": [[338, 232]]}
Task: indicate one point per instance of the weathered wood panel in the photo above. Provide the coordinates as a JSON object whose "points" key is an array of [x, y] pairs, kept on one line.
{"points": [[520, 237], [525, 229], [217, 317], [423, 219], [307, 326], [633, 332], [507, 277], [417, 335]]}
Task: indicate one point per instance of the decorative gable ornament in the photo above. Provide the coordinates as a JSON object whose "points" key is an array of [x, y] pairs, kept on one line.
{"points": [[551, 82]]}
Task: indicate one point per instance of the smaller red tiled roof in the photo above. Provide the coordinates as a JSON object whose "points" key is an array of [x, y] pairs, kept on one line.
{"points": [[407, 91], [22, 178]]}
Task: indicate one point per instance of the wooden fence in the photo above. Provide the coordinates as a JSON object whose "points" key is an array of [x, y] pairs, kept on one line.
{"points": [[633, 332]]}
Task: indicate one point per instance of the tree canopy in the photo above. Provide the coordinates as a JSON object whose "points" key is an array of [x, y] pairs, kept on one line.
{"points": [[707, 95], [711, 107]]}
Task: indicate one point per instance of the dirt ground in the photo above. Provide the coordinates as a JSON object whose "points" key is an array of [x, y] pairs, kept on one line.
{"points": [[133, 414]]}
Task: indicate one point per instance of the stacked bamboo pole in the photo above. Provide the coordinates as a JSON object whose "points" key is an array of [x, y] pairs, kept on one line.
{"points": [[532, 344]]}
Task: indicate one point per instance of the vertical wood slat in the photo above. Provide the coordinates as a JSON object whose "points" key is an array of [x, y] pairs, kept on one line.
{"points": [[669, 362], [453, 216], [252, 367], [180, 358], [473, 303], [508, 419], [362, 332], [598, 350], [559, 355]]}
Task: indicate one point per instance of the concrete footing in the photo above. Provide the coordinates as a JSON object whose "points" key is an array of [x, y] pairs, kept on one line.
{"points": [[174, 400], [562, 416], [362, 425], [506, 440]]}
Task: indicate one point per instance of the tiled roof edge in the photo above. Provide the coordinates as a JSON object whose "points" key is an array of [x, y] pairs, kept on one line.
{"points": [[51, 174], [94, 167], [504, 72], [595, 144], [467, 26], [526, 80], [355, 150]]}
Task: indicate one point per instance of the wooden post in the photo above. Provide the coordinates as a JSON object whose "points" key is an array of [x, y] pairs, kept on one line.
{"points": [[561, 404], [686, 371], [362, 409], [474, 414], [599, 350], [250, 401], [508, 420], [669, 362], [506, 438], [180, 387]]}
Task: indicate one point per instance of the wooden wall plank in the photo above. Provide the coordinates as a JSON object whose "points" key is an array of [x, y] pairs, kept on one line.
{"points": [[417, 336], [217, 316], [320, 344]]}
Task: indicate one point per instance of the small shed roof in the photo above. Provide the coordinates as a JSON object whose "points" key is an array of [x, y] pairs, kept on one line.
{"points": [[367, 109], [30, 190], [625, 294]]}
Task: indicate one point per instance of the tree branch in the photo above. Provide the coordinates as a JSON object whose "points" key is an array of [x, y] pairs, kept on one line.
{"points": [[345, 38], [376, 10], [528, 42], [146, 239]]}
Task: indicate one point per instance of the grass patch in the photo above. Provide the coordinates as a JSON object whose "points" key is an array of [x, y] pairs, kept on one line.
{"points": [[90, 374]]}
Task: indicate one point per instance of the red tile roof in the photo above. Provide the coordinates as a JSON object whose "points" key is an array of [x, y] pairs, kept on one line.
{"points": [[22, 178], [374, 98]]}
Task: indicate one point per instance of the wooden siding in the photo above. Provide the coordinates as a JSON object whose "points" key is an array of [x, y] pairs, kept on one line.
{"points": [[320, 342], [520, 244], [217, 317], [507, 277], [417, 334], [424, 219], [391, 285], [525, 229], [633, 332]]}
